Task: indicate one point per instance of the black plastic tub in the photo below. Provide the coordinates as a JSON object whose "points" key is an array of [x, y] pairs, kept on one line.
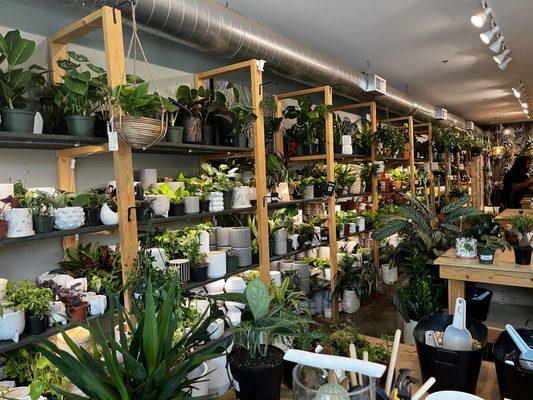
{"points": [[478, 303], [453, 370], [514, 382]]}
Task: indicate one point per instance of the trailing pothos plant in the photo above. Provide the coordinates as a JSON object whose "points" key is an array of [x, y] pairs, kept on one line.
{"points": [[14, 80]]}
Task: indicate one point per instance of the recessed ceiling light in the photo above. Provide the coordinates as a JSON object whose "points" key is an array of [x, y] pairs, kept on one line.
{"points": [[497, 45], [487, 36], [479, 19]]}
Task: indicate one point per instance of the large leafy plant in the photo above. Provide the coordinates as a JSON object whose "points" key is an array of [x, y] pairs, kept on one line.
{"points": [[276, 169], [220, 177], [15, 82], [154, 366], [134, 100], [390, 138], [310, 120]]}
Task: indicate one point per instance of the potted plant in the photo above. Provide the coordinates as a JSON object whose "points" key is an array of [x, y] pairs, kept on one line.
{"points": [[174, 132], [42, 205], [69, 213], [362, 139], [232, 261], [220, 181], [254, 361], [93, 203], [347, 282], [343, 131], [34, 301], [18, 218], [488, 246], [191, 100], [389, 139], [522, 225], [344, 178], [465, 246], [204, 191], [400, 177], [189, 245], [213, 105], [143, 209], [15, 82], [76, 307], [277, 172]]}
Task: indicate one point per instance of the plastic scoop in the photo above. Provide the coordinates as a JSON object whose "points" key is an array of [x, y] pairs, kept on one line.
{"points": [[526, 356], [456, 336], [431, 339]]}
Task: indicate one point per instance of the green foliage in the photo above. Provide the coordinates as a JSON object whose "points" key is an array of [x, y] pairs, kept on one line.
{"points": [[155, 365], [344, 176], [522, 224], [446, 139], [26, 296], [15, 82], [219, 178], [175, 196], [68, 199], [362, 139], [391, 138], [367, 172], [40, 203], [310, 120], [491, 242], [341, 127], [356, 276], [92, 199], [276, 169], [399, 175], [134, 100]]}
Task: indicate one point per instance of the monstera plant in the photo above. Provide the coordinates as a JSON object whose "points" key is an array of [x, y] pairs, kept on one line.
{"points": [[15, 81]]}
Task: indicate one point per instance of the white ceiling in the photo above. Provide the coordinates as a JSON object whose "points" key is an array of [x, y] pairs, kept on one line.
{"points": [[406, 41]]}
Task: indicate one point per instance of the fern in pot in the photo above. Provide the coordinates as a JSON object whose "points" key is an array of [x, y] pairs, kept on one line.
{"points": [[522, 226], [15, 82], [488, 246]]}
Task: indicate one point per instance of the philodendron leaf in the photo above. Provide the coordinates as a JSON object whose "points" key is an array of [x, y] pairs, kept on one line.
{"points": [[20, 49], [258, 298]]}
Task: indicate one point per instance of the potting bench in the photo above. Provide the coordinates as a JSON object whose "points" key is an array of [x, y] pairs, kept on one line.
{"points": [[505, 216], [504, 271]]}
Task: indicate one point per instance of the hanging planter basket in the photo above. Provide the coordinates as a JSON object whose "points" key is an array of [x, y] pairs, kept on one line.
{"points": [[141, 132]]}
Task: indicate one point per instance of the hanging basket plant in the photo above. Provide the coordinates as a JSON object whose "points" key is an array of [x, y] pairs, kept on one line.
{"points": [[139, 117]]}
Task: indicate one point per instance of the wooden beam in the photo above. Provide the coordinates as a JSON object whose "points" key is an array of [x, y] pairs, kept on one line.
{"points": [[56, 52], [447, 166], [201, 76], [79, 28], [431, 178], [411, 154], [398, 119], [279, 144], [83, 151], [355, 106], [374, 125], [66, 181], [302, 92]]}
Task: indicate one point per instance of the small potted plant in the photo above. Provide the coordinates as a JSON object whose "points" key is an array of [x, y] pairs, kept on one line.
{"points": [[389, 139], [362, 138], [204, 191], [93, 203], [42, 205], [143, 209], [343, 130], [344, 178], [35, 301], [347, 281], [488, 246], [189, 246], [277, 172], [76, 307], [221, 181], [69, 213], [187, 99], [465, 246], [19, 218], [522, 226], [174, 132], [399, 177], [15, 82]]}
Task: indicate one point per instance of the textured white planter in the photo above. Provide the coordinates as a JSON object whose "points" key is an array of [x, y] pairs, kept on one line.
{"points": [[235, 284], [216, 201], [201, 386], [350, 302], [280, 236], [68, 218], [309, 192], [216, 329], [108, 216], [215, 287], [347, 149], [360, 223], [223, 236], [191, 204], [97, 304], [216, 261], [286, 265], [19, 223], [58, 313], [327, 274], [204, 241], [346, 140], [159, 257], [280, 248], [252, 194], [183, 266], [389, 275], [241, 197], [240, 237], [327, 313], [160, 204], [244, 256], [408, 329], [323, 252], [12, 324], [275, 277], [466, 247]]}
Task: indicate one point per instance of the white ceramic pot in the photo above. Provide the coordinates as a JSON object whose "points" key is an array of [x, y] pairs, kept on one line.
{"points": [[159, 257], [286, 265], [3, 284], [108, 216], [97, 304], [148, 177], [323, 252], [79, 284], [309, 192], [350, 302], [346, 140], [452, 395], [388, 274], [328, 313], [235, 284], [280, 236], [240, 237], [244, 256], [327, 274], [223, 236], [215, 287], [303, 269], [241, 197], [216, 201], [234, 317], [275, 278], [201, 386], [58, 313], [191, 204], [360, 224], [68, 218], [466, 247], [204, 241], [280, 248], [12, 324], [380, 166], [216, 329], [294, 241], [44, 189], [160, 204], [234, 306], [216, 261], [219, 381], [408, 329], [19, 223]]}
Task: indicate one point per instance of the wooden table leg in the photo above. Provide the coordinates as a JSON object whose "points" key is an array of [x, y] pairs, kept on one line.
{"points": [[455, 289]]}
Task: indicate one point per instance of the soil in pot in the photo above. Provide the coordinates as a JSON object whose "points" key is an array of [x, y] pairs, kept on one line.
{"points": [[17, 120], [522, 255], [486, 256], [78, 313], [176, 209], [208, 135], [79, 125], [144, 213], [3, 229], [175, 134], [43, 223], [36, 325], [199, 273], [204, 206], [260, 372], [92, 216]]}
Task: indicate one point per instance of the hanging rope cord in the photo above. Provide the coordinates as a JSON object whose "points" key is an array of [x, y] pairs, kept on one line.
{"points": [[134, 42]]}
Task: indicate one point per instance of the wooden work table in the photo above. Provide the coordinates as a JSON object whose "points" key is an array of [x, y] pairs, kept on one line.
{"points": [[504, 271], [505, 216]]}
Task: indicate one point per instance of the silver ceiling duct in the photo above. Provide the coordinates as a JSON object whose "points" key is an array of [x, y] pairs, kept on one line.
{"points": [[209, 26]]}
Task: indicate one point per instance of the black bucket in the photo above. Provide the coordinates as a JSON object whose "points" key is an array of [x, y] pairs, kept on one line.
{"points": [[514, 382], [478, 303], [453, 370]]}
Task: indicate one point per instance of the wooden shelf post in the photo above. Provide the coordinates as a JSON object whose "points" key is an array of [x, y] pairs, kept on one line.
{"points": [[412, 171]]}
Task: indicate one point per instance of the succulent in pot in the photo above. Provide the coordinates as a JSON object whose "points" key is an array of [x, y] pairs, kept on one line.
{"points": [[15, 82], [488, 245], [42, 206], [522, 225]]}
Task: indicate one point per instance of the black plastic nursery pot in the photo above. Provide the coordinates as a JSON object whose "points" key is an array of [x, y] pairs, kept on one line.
{"points": [[199, 273], [80, 125], [514, 382], [228, 199], [208, 135], [176, 209], [453, 370], [232, 263], [92, 216], [175, 134], [144, 213], [255, 258], [17, 120], [286, 376], [310, 149], [257, 379], [486, 256], [101, 127], [36, 325], [43, 223], [192, 130], [337, 149], [204, 206], [478, 303], [522, 254]]}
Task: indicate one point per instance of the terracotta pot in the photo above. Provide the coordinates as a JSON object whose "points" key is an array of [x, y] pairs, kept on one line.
{"points": [[3, 229], [78, 313]]}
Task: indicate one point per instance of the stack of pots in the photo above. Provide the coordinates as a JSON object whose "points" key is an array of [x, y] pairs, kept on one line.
{"points": [[304, 272], [216, 201], [280, 242], [183, 267], [241, 242]]}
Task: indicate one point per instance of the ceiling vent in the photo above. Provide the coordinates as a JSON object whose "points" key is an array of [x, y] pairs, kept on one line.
{"points": [[376, 84], [441, 113], [470, 125]]}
